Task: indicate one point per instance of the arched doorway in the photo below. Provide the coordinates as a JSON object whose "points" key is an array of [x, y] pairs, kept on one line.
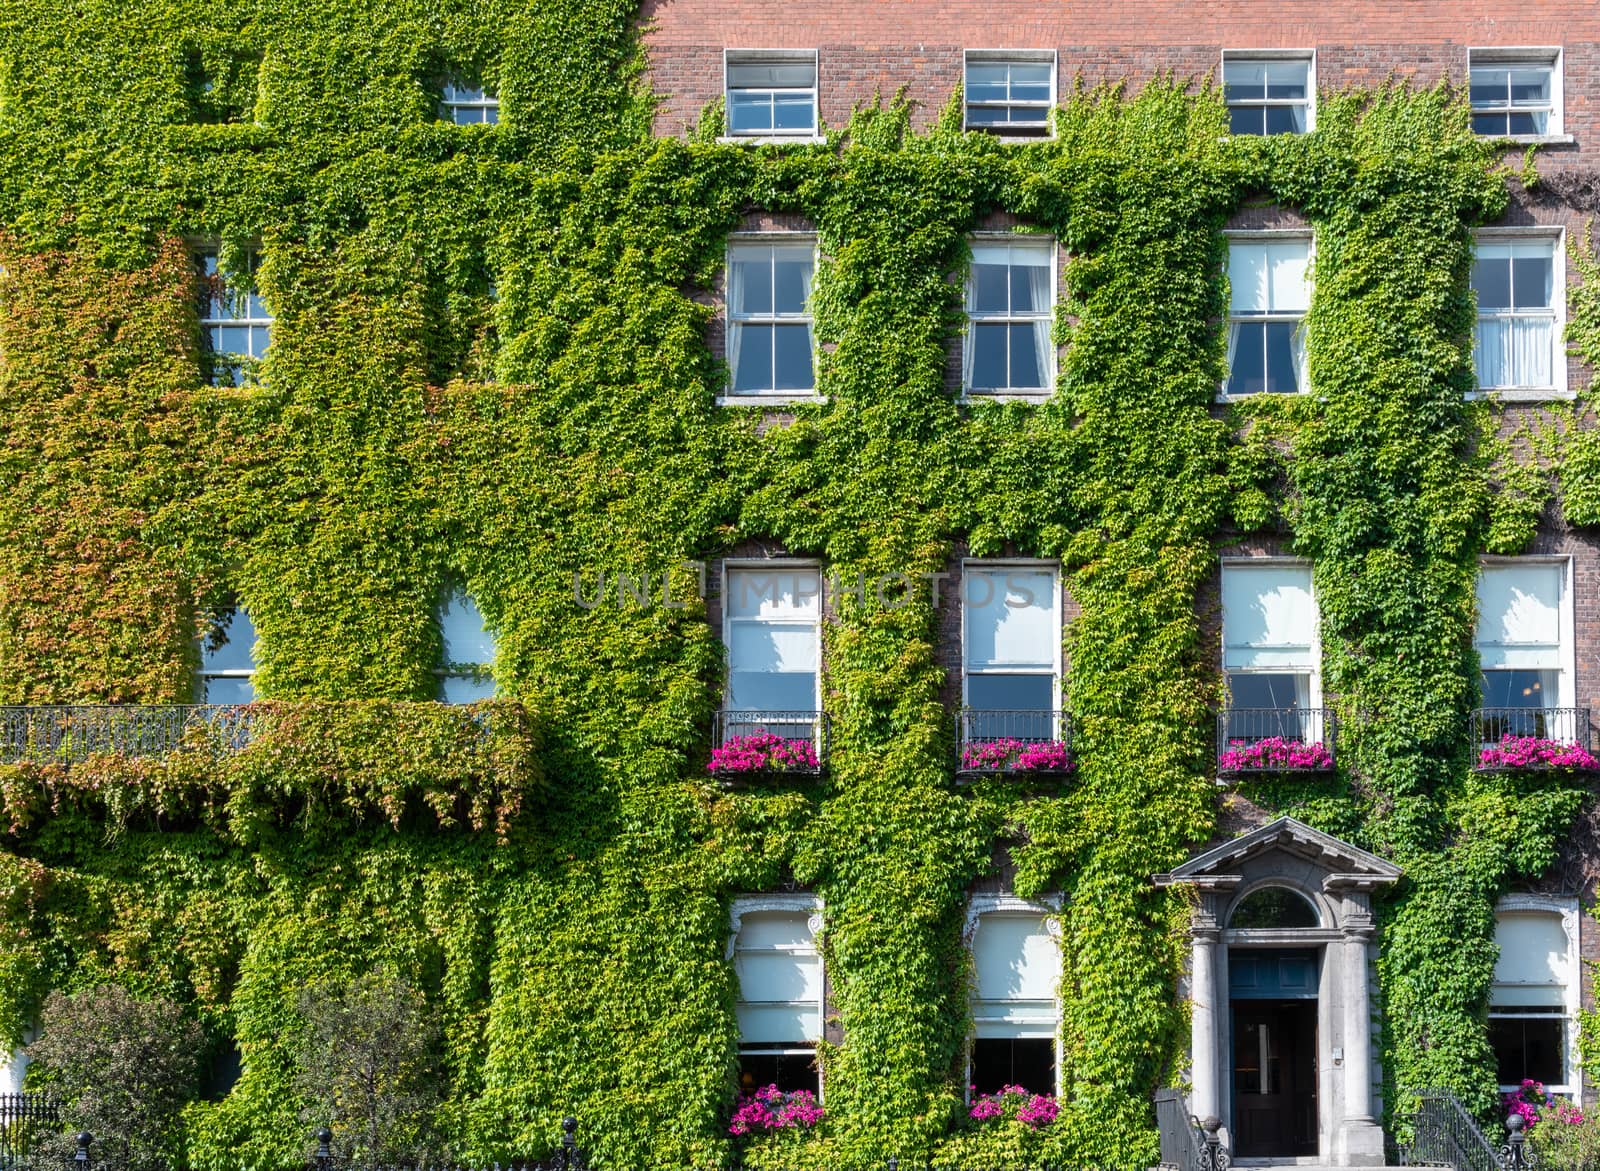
{"points": [[1281, 1042]]}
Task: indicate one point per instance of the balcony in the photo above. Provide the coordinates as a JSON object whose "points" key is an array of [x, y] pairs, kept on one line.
{"points": [[1538, 738], [1265, 741], [1013, 743], [70, 734], [756, 745]]}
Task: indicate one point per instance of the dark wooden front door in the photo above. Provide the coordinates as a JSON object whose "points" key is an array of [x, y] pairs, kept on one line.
{"points": [[1275, 1077]]}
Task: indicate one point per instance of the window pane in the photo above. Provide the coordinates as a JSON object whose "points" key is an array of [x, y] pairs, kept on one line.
{"points": [[1531, 281], [1530, 87], [1256, 690], [260, 335], [1286, 80], [229, 690], [1015, 958], [772, 646], [1244, 80], [1533, 953], [772, 74], [1491, 281], [986, 81], [1285, 119], [1269, 616], [1024, 285], [1526, 123], [1248, 373], [465, 688], [1028, 115], [792, 276], [230, 645], [1490, 124], [1026, 1062], [1519, 616], [989, 283], [792, 354], [1010, 618], [773, 593], [767, 691], [1013, 693], [987, 115], [792, 112], [1027, 362], [1520, 689], [1527, 1048], [1249, 266], [988, 357], [1283, 373], [787, 1071], [749, 113], [1489, 87], [465, 638], [752, 281], [231, 339], [754, 372], [1247, 120]]}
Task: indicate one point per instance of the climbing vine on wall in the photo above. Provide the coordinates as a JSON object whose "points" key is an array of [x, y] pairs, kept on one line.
{"points": [[489, 368]]}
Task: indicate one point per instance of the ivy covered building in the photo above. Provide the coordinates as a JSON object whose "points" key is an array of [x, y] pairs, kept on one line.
{"points": [[889, 550]]}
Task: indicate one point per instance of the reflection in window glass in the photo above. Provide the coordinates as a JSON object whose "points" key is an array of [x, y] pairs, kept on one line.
{"points": [[467, 652], [227, 659], [1267, 96], [769, 318], [1010, 308]]}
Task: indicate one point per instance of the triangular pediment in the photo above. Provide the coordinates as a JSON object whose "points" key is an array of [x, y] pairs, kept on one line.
{"points": [[1286, 836]]}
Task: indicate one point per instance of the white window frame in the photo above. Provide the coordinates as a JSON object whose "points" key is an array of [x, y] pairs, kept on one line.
{"points": [[1549, 57], [450, 102], [203, 676], [247, 373], [777, 566], [979, 905], [978, 565], [748, 56], [767, 398], [1315, 690], [1270, 236], [1566, 696], [791, 904], [1557, 236], [1566, 907], [1309, 56], [1042, 241], [1006, 57]]}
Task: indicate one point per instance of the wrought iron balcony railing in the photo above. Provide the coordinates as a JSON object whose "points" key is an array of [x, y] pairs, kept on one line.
{"points": [[1275, 740], [765, 743], [64, 734], [1524, 737], [1014, 741]]}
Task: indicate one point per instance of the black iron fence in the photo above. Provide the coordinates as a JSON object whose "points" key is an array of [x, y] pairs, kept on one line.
{"points": [[24, 1120], [1563, 725], [1443, 1133], [993, 740], [1188, 1143], [1277, 740], [787, 741]]}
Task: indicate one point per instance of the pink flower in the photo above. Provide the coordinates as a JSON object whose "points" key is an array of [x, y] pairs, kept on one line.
{"points": [[1536, 752], [770, 1108], [1016, 755], [1272, 753], [1015, 1103], [762, 752]]}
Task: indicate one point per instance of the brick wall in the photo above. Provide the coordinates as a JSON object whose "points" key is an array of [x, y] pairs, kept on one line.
{"points": [[867, 50]]}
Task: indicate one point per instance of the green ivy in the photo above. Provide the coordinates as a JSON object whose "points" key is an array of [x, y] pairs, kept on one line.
{"points": [[560, 892]]}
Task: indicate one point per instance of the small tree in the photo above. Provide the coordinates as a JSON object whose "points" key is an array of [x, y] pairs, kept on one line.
{"points": [[124, 1069], [369, 1064]]}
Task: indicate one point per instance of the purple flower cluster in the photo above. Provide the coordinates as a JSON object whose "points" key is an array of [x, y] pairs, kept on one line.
{"points": [[1536, 752], [1273, 752], [761, 752], [1015, 1102], [1532, 1102], [1045, 756], [770, 1108]]}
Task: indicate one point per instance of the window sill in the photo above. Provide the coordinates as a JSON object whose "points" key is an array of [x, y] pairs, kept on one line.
{"points": [[1224, 398], [1523, 395], [978, 396], [1012, 139], [1531, 139], [773, 139], [768, 400]]}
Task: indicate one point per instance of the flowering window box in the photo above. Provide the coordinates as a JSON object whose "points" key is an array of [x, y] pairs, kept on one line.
{"points": [[1014, 1104], [1273, 754], [772, 1109], [1536, 753], [749, 749], [1008, 755]]}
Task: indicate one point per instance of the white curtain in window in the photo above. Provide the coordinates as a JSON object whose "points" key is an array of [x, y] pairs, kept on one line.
{"points": [[1534, 965], [1039, 289], [736, 295], [1269, 276], [780, 978], [1515, 351], [1233, 346], [1269, 618], [1011, 618], [772, 593], [1519, 616], [1018, 968]]}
